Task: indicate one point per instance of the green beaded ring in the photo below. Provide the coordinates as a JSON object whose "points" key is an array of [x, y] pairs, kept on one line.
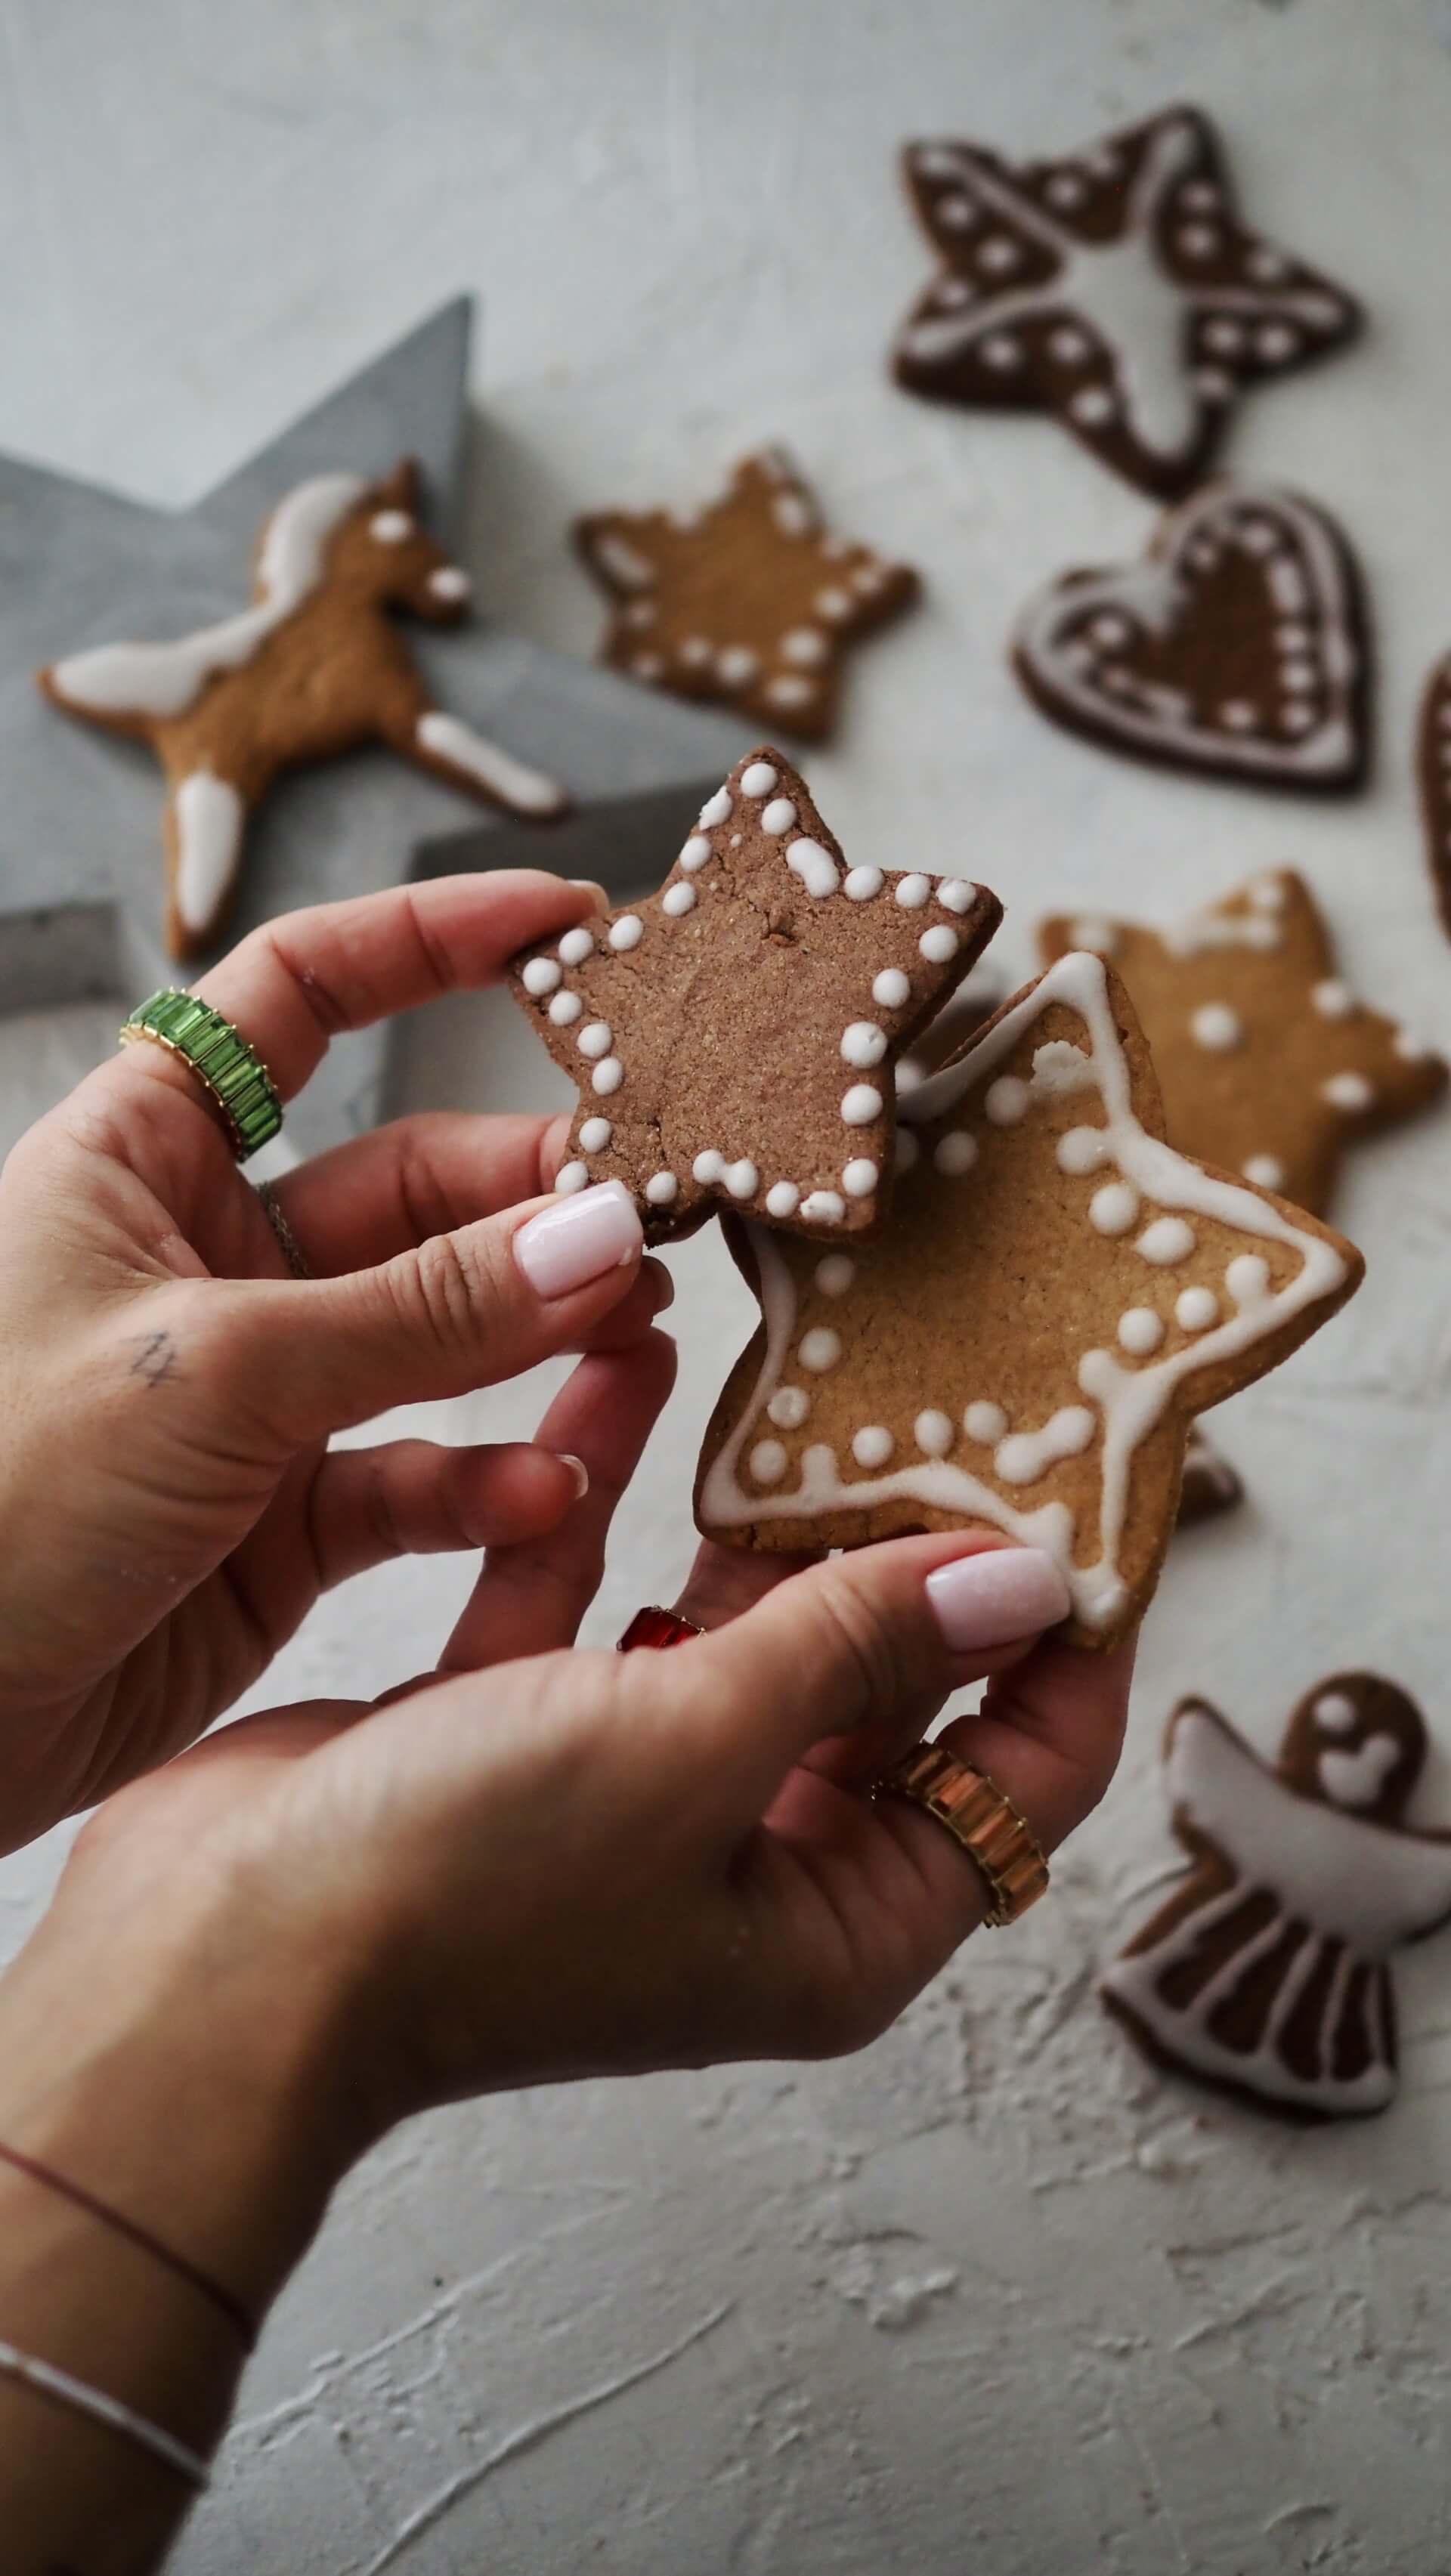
{"points": [[236, 1077]]}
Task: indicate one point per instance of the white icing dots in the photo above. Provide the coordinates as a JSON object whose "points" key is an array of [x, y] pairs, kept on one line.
{"points": [[1082, 1149], [565, 1009], [608, 1075], [1140, 1331], [1026, 1455], [1168, 1239], [716, 809], [782, 1199], [1092, 405], [954, 1153], [891, 989], [859, 1177], [862, 884], [695, 853], [861, 1104], [1195, 1309], [1113, 1208], [571, 1177], [678, 898], [957, 894], [576, 945], [1007, 1100], [1349, 1091], [594, 1040], [595, 1134], [835, 1274], [759, 779], [985, 1423], [1248, 1278], [662, 1188], [805, 645], [390, 527], [778, 816], [939, 943], [789, 1407], [737, 666], [872, 1446], [824, 1207], [626, 933], [913, 891], [814, 866], [768, 1462], [820, 1349], [863, 1044], [449, 581], [833, 604], [1333, 1000], [540, 976], [1215, 1026], [1266, 1171], [1336, 1712], [933, 1433], [709, 1167], [742, 1179]]}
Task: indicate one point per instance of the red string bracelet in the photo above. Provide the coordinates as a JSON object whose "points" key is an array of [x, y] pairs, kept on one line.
{"points": [[230, 2307]]}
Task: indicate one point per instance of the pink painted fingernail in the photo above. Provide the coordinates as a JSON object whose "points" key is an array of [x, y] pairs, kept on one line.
{"points": [[578, 1239], [997, 1597], [591, 885]]}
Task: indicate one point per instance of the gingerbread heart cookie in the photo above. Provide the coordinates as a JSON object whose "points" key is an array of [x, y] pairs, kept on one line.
{"points": [[1266, 1973], [1236, 646], [734, 1036], [1059, 1292], [313, 668], [1117, 289], [748, 601], [1268, 1062]]}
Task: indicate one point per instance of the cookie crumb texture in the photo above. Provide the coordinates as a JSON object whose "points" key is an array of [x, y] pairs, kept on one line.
{"points": [[1059, 1292], [749, 601], [1266, 1972], [734, 1036], [1117, 289], [1237, 646]]}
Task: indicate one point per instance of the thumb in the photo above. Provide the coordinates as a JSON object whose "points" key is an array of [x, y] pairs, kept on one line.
{"points": [[460, 1311], [865, 1640]]}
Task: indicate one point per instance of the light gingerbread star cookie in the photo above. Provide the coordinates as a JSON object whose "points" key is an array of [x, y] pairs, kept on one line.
{"points": [[1058, 1294], [1117, 288], [747, 601], [734, 1036], [1268, 1063]]}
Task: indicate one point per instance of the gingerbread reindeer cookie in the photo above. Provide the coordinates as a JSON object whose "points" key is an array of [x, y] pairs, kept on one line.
{"points": [[1268, 1062], [748, 600], [1117, 288], [315, 667], [1236, 646], [734, 1036], [1058, 1293], [1267, 1972]]}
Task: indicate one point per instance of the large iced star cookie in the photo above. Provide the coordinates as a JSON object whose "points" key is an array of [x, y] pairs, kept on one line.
{"points": [[1117, 289], [1058, 1294], [734, 1036]]}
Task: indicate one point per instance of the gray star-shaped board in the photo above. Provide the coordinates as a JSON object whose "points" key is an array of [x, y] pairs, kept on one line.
{"points": [[81, 872]]}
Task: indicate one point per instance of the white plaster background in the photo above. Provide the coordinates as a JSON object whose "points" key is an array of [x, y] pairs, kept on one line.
{"points": [[989, 2292]]}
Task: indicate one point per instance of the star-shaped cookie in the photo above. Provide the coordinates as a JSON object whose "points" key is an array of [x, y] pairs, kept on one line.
{"points": [[734, 1036], [748, 601], [1058, 1293], [1266, 1971], [1117, 288], [1235, 645], [1268, 1063]]}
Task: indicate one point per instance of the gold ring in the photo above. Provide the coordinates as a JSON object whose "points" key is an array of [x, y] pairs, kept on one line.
{"points": [[979, 1817]]}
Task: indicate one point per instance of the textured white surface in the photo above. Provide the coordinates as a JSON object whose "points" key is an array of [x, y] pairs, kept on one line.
{"points": [[989, 2292]]}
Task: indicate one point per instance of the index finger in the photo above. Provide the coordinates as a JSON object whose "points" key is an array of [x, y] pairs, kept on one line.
{"points": [[296, 983]]}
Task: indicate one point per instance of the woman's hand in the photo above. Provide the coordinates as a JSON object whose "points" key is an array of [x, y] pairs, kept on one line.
{"points": [[169, 1509]]}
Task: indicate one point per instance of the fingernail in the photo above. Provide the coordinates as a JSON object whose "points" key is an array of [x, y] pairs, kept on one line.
{"points": [[997, 1597], [591, 885], [577, 1469], [578, 1239], [661, 1283]]}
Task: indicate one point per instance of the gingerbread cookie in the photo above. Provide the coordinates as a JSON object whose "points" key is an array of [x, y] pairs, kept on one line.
{"points": [[1433, 760], [1058, 1293], [1236, 646], [1268, 1063], [1210, 1486], [314, 668], [1117, 289], [747, 601], [1266, 1972], [734, 1035]]}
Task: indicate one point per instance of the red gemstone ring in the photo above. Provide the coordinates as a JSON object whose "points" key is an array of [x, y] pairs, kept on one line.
{"points": [[657, 1627]]}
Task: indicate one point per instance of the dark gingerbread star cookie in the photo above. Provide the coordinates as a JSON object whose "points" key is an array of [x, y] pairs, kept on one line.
{"points": [[1236, 646], [1118, 289], [1268, 1063], [1024, 1347], [734, 1036], [748, 601], [1266, 1973]]}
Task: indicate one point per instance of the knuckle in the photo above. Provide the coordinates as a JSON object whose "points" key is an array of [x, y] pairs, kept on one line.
{"points": [[449, 1289], [862, 1644]]}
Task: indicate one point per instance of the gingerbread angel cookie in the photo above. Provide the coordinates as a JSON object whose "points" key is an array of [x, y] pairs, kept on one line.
{"points": [[734, 1036], [748, 600], [1268, 1062], [1117, 289], [1236, 646], [1266, 1972], [1058, 1293], [313, 668]]}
